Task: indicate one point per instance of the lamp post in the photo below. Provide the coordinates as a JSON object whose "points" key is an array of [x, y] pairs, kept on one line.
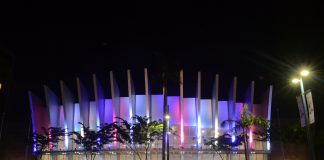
{"points": [[299, 80]]}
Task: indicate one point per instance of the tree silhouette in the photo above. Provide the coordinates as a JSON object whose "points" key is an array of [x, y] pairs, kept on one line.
{"points": [[48, 139], [141, 132], [93, 141], [224, 143], [242, 126], [239, 129]]}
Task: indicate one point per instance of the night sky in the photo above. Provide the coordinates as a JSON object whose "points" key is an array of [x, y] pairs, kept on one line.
{"points": [[268, 42]]}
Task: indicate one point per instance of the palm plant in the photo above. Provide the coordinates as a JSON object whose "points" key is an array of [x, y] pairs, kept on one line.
{"points": [[242, 126]]}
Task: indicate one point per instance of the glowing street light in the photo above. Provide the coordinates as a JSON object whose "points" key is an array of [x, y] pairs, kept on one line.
{"points": [[295, 80], [299, 80], [304, 73], [0, 86], [167, 117]]}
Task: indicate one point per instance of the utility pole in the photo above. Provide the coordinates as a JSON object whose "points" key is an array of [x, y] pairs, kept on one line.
{"points": [[308, 131], [165, 138]]}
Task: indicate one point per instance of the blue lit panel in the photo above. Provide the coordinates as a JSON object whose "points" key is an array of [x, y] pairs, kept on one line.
{"points": [[157, 107], [140, 105], [84, 101], [222, 114], [52, 104], [189, 113], [77, 119], [108, 111], [206, 113], [174, 112]]}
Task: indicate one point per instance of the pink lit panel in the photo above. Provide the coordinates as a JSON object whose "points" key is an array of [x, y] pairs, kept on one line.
{"points": [[124, 108]]}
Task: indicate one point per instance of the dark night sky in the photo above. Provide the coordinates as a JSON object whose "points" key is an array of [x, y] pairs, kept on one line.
{"points": [[44, 42]]}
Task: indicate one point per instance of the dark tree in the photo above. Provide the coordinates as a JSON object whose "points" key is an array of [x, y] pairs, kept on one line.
{"points": [[224, 143], [93, 141], [240, 129], [141, 132], [47, 140], [242, 126]]}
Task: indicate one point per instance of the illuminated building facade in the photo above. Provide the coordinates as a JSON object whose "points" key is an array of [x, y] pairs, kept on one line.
{"points": [[195, 118]]}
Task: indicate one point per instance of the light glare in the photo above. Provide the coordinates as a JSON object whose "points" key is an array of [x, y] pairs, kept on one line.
{"points": [[304, 73], [295, 80], [233, 138]]}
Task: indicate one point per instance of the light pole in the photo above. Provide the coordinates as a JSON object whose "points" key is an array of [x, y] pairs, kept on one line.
{"points": [[299, 80]]}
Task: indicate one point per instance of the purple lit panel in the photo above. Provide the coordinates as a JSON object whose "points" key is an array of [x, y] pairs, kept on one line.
{"points": [[232, 99], [206, 113], [52, 103], [157, 107], [265, 109], [222, 114], [124, 108], [99, 97], [68, 105], [249, 96], [189, 113], [174, 112], [62, 118], [140, 105], [40, 117], [115, 97], [108, 111], [238, 110], [83, 98]]}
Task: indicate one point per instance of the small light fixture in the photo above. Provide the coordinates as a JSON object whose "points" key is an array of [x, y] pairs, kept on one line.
{"points": [[167, 117], [295, 80]]}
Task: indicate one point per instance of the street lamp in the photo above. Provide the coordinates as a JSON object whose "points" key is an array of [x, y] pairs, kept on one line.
{"points": [[299, 80]]}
